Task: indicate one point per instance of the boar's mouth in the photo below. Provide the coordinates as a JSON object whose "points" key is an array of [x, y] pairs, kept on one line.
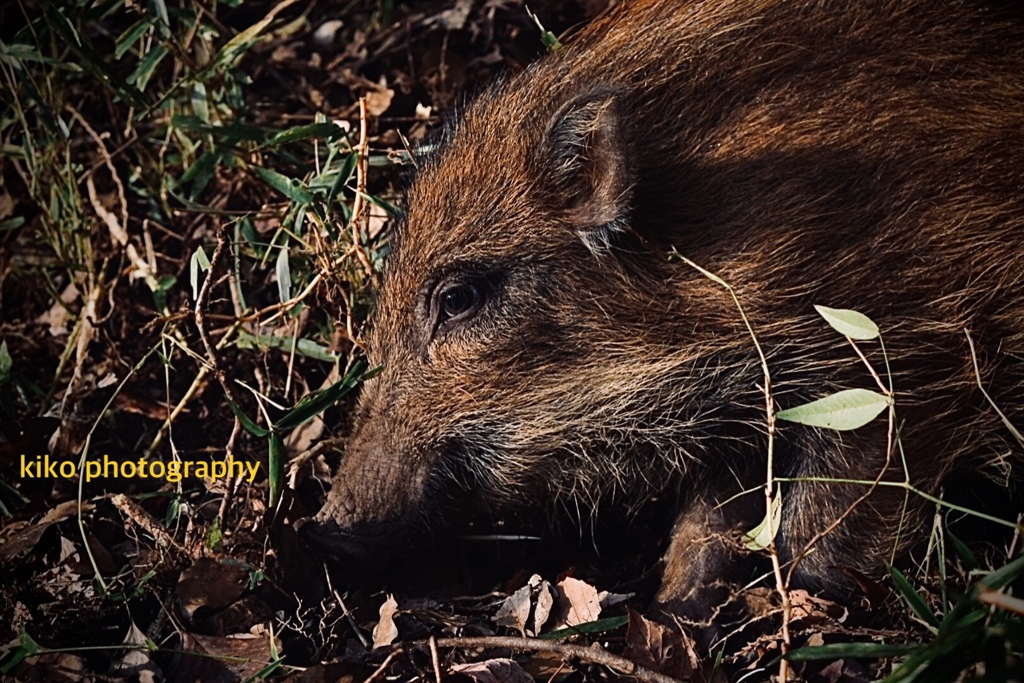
{"points": [[361, 547]]}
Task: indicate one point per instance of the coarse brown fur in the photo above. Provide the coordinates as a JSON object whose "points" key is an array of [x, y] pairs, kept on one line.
{"points": [[864, 154]]}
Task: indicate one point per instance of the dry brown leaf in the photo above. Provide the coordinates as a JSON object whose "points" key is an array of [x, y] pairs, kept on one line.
{"points": [[842, 671], [136, 663], [493, 671], [528, 609], [385, 632], [243, 655], [515, 610], [808, 610], [660, 648], [378, 98], [577, 603], [27, 538], [544, 601], [209, 583]]}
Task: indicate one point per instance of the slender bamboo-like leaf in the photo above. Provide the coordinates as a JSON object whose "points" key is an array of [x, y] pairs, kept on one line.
{"points": [[316, 402], [241, 43], [304, 347], [326, 131], [292, 188], [284, 275], [12, 223], [147, 65], [598, 626], [348, 167], [126, 40], [233, 132], [91, 61], [843, 410], [246, 423], [198, 262], [852, 650], [967, 555], [6, 362], [275, 466], [913, 599], [26, 648]]}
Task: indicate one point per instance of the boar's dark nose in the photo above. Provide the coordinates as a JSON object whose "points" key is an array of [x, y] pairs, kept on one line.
{"points": [[359, 549]]}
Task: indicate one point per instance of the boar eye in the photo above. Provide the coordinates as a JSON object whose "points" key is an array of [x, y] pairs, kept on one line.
{"points": [[459, 301]]}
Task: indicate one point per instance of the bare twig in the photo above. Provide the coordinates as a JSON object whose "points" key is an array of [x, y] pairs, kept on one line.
{"points": [[202, 302], [362, 152], [1002, 601], [594, 654], [147, 522], [781, 585], [383, 667], [435, 660], [977, 375]]}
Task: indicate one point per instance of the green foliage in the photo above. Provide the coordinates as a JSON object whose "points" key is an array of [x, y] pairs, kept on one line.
{"points": [[844, 410], [177, 134], [978, 637]]}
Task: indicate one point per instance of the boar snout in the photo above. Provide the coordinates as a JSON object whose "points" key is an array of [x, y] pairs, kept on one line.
{"points": [[375, 500]]}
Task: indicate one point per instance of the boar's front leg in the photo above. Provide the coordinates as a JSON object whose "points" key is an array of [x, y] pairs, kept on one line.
{"points": [[705, 565]]}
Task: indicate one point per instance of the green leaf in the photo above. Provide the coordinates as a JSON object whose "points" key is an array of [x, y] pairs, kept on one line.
{"points": [[26, 648], [126, 40], [197, 263], [347, 168], [852, 650], [238, 45], [147, 65], [843, 410], [598, 626], [6, 362], [967, 555], [233, 132], [849, 323], [215, 536], [304, 347], [327, 131], [316, 402], [761, 536], [284, 275], [1004, 575], [388, 207], [160, 9], [913, 599], [292, 188], [91, 61], [200, 173], [246, 423], [275, 467], [12, 223], [200, 105]]}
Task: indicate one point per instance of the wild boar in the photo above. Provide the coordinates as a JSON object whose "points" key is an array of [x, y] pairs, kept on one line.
{"points": [[543, 343]]}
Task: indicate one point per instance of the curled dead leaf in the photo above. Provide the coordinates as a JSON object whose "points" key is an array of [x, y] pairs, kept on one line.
{"points": [[385, 632]]}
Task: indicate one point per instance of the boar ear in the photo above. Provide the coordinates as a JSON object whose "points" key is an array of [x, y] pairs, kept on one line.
{"points": [[585, 149]]}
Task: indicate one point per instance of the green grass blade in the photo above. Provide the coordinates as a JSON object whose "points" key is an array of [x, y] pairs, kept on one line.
{"points": [[91, 61], [913, 599], [316, 402], [275, 467], [852, 650]]}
